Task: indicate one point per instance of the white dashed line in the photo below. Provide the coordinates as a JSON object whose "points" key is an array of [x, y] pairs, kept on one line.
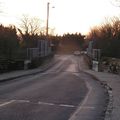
{"points": [[22, 101], [6, 103], [70, 106], [39, 103], [60, 105], [88, 107], [44, 103]]}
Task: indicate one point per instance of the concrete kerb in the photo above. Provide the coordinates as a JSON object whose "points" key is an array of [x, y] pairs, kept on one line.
{"points": [[109, 108], [31, 72]]}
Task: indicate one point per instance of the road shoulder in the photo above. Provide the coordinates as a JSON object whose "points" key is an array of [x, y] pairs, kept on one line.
{"points": [[112, 83], [92, 107]]}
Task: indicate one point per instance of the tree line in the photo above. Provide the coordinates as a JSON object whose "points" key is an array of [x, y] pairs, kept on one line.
{"points": [[9, 42], [13, 47], [107, 37], [14, 43]]}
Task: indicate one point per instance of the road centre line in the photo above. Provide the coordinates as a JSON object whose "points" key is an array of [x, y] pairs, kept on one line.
{"points": [[70, 106], [22, 101], [44, 103], [88, 107], [52, 104], [40, 103], [6, 103]]}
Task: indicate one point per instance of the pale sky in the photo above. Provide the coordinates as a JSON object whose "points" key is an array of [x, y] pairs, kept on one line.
{"points": [[67, 16]]}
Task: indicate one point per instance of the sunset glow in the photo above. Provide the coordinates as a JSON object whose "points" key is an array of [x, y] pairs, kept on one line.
{"points": [[67, 16]]}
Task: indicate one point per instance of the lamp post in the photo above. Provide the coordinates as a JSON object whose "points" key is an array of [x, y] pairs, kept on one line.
{"points": [[47, 22]]}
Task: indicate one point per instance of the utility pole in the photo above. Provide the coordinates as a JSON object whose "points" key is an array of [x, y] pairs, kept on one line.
{"points": [[47, 22]]}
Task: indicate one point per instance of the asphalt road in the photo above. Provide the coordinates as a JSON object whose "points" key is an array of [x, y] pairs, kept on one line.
{"points": [[63, 92]]}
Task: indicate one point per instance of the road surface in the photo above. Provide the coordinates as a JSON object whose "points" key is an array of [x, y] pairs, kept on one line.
{"points": [[63, 92]]}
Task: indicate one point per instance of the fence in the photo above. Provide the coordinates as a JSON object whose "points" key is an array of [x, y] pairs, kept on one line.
{"points": [[43, 49]]}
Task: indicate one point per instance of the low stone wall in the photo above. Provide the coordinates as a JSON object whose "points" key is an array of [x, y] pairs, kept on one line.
{"points": [[110, 65]]}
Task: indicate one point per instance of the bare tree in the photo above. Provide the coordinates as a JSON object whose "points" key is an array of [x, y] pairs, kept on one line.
{"points": [[30, 25], [116, 3], [107, 37]]}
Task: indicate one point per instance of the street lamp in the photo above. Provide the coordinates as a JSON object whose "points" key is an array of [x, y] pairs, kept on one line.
{"points": [[47, 22]]}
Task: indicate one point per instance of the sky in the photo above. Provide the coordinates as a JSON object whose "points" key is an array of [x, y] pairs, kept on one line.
{"points": [[67, 16]]}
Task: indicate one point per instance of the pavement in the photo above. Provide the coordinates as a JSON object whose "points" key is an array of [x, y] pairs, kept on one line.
{"points": [[109, 80], [112, 84], [21, 73]]}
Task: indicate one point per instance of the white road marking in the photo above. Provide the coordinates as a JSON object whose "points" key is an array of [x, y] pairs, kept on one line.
{"points": [[82, 106], [52, 104], [69, 106], [86, 98], [44, 103], [22, 101], [88, 107], [40, 103], [6, 103]]}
